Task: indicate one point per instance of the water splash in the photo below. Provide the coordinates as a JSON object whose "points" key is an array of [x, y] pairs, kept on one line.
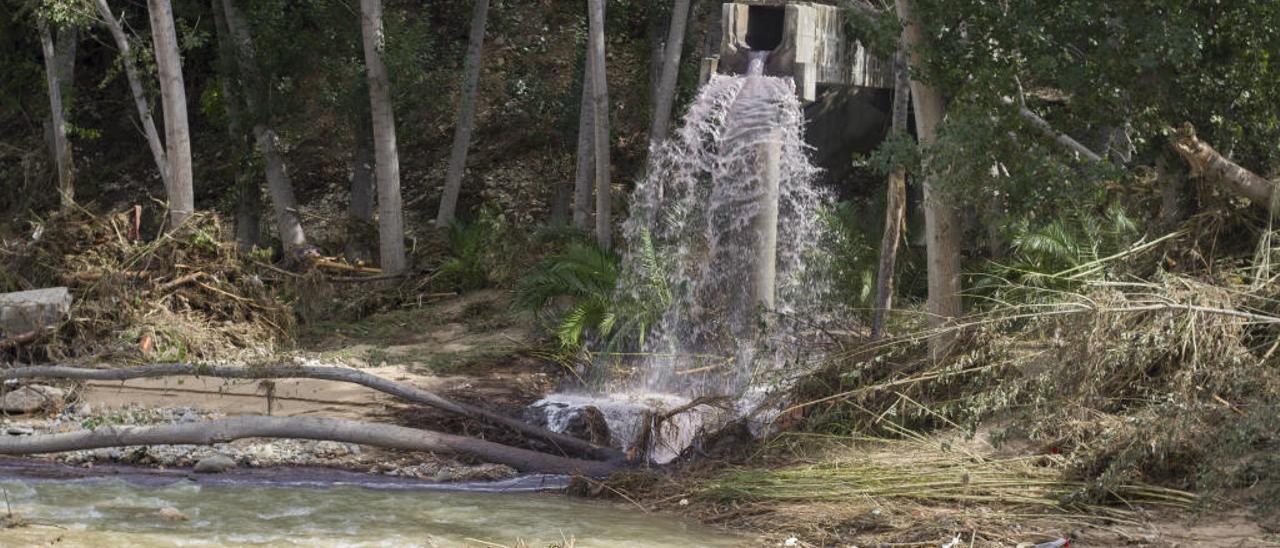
{"points": [[698, 207]]}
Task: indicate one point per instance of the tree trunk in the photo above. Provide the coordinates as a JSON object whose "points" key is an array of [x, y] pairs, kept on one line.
{"points": [[308, 428], [139, 93], [248, 191], [1213, 166], [563, 442], [361, 231], [895, 208], [466, 117], [61, 147], [657, 48], [670, 73], [586, 152], [173, 99], [561, 200], [390, 215], [942, 224], [288, 222], [600, 98]]}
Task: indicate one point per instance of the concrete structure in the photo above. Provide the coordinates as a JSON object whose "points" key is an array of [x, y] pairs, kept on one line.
{"points": [[26, 311], [808, 43]]}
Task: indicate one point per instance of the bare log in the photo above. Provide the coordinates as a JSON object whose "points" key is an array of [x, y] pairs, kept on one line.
{"points": [[307, 428], [1063, 140], [1212, 165], [895, 208], [568, 444]]}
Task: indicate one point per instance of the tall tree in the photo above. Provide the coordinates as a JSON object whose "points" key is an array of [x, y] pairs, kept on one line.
{"points": [[666, 91], [173, 99], [139, 93], [256, 98], [586, 151], [942, 224], [600, 133], [61, 146], [466, 117], [248, 191], [895, 207], [360, 217], [387, 172]]}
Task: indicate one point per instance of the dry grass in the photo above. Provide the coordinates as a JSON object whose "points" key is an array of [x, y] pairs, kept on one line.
{"points": [[186, 295]]}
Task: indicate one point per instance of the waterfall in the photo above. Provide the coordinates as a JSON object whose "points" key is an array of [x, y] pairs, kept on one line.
{"points": [[698, 208]]}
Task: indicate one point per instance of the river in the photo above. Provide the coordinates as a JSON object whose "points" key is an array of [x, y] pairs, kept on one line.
{"points": [[110, 511]]}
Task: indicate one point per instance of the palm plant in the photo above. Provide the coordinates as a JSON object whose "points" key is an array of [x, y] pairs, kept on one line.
{"points": [[576, 290], [1071, 250]]}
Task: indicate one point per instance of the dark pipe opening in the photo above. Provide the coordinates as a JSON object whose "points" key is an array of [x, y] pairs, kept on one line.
{"points": [[764, 27]]}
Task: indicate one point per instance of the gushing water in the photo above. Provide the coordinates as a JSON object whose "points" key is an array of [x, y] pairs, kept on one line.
{"points": [[699, 229]]}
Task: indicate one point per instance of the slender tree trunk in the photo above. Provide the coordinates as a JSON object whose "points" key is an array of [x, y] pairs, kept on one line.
{"points": [[65, 43], [283, 201], [561, 200], [600, 98], [942, 223], [62, 148], [308, 428], [895, 208], [586, 152], [248, 190], [670, 73], [466, 117], [135, 87], [387, 172], [173, 99], [361, 230], [657, 48]]}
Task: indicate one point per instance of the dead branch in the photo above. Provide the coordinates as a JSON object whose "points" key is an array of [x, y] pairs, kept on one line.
{"points": [[335, 265], [26, 338], [1064, 140], [309, 428], [1213, 166], [568, 444]]}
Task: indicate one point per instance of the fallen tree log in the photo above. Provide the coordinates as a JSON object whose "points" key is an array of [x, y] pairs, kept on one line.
{"points": [[308, 428], [1213, 166], [568, 444]]}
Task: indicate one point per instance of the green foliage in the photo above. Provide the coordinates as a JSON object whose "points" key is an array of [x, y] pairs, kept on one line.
{"points": [[1064, 253], [576, 290], [851, 262], [465, 268]]}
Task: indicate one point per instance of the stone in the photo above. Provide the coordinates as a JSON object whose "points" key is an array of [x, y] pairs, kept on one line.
{"points": [[214, 464], [26, 311], [20, 430], [31, 398], [589, 424], [169, 513]]}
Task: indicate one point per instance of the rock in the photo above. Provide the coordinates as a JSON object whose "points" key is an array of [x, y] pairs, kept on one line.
{"points": [[331, 449], [171, 514], [215, 464], [26, 311], [589, 424], [31, 398], [19, 430]]}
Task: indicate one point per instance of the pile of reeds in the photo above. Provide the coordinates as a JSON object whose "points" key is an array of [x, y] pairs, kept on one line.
{"points": [[922, 470], [1168, 381], [184, 294]]}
